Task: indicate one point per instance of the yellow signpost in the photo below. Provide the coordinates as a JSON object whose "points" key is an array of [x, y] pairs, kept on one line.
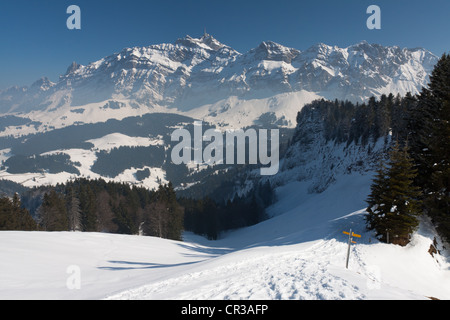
{"points": [[350, 241], [353, 234]]}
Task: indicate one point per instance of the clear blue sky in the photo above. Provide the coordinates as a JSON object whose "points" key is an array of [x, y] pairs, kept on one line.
{"points": [[35, 41]]}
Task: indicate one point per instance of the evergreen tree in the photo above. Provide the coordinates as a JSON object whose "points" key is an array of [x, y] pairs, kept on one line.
{"points": [[123, 220], [25, 221], [402, 129], [429, 138], [88, 207], [437, 199], [378, 197], [394, 204], [210, 218], [382, 120], [176, 214], [52, 214], [104, 213], [14, 217], [74, 211]]}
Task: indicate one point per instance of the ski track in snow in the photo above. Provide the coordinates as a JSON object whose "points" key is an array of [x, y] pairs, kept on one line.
{"points": [[288, 275]]}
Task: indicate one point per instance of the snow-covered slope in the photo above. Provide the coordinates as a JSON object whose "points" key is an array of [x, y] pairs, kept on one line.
{"points": [[298, 254]]}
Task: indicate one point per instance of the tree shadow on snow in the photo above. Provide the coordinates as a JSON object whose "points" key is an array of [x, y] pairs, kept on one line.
{"points": [[133, 265], [201, 251]]}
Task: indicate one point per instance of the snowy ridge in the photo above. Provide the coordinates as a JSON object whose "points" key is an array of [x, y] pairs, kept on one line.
{"points": [[115, 140], [318, 162], [312, 158]]}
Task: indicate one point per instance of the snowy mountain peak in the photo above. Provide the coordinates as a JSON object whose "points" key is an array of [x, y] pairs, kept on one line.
{"points": [[210, 41], [72, 67], [42, 84], [269, 50], [320, 47], [207, 42]]}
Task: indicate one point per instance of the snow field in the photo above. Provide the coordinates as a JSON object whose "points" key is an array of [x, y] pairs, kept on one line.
{"points": [[249, 276], [297, 254]]}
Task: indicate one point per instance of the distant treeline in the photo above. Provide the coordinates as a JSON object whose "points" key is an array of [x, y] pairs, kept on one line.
{"points": [[113, 162], [209, 218], [53, 163], [347, 122], [99, 206], [415, 180]]}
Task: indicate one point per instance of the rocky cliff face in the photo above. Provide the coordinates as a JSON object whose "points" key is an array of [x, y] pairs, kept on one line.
{"points": [[313, 158]]}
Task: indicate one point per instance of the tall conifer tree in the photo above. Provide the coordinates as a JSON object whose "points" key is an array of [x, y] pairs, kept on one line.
{"points": [[394, 204]]}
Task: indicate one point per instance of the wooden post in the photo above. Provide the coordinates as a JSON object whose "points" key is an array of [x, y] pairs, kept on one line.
{"points": [[348, 249], [350, 241]]}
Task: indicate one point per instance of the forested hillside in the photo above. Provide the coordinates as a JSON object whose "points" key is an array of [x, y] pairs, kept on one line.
{"points": [[98, 206], [416, 179]]}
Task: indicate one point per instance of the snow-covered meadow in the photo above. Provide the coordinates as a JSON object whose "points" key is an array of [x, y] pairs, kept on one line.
{"points": [[299, 253]]}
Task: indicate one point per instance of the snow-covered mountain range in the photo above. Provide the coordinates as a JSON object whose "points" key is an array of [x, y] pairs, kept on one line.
{"points": [[203, 78], [134, 99]]}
